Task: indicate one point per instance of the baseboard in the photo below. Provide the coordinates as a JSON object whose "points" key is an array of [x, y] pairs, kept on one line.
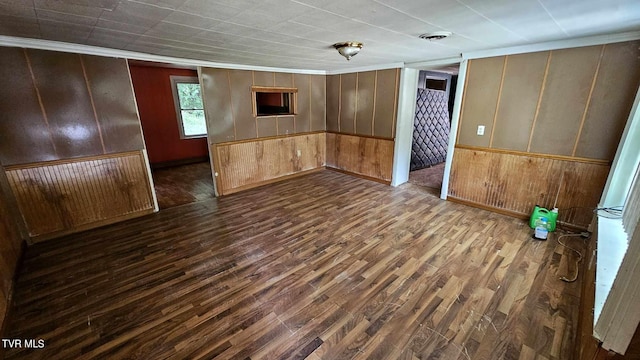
{"points": [[515, 214], [359, 175], [93, 225], [270, 181], [173, 163]]}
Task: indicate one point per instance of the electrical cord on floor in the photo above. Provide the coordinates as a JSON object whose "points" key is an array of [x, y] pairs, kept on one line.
{"points": [[584, 235]]}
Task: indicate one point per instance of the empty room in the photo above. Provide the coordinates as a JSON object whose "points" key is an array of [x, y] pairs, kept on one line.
{"points": [[195, 179]]}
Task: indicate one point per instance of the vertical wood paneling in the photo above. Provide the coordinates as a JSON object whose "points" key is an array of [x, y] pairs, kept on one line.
{"points": [[366, 156], [516, 183], [69, 195], [60, 80], [523, 78], [611, 100], [286, 125], [567, 88], [366, 102], [283, 79], [303, 115], [216, 94], [263, 78], [241, 105], [385, 103], [348, 102], [24, 134], [110, 85], [318, 100], [267, 126], [252, 163], [333, 103], [481, 96]]}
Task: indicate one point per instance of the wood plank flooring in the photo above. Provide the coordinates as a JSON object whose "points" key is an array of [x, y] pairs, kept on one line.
{"points": [[183, 184], [325, 266]]}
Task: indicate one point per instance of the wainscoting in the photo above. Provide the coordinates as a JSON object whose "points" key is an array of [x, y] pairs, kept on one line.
{"points": [[66, 196], [513, 183], [249, 163], [368, 157]]}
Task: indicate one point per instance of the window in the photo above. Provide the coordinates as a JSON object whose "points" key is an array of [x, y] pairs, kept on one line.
{"points": [[189, 108], [270, 101]]}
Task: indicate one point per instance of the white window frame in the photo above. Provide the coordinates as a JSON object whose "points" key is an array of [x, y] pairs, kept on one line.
{"points": [[175, 80]]}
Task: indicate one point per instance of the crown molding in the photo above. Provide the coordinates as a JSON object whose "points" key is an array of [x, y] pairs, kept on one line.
{"points": [[555, 45], [395, 65], [40, 44]]}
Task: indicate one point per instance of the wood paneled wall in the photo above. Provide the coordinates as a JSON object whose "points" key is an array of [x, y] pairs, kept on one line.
{"points": [[514, 183], [61, 105], [570, 102], [246, 164], [546, 114], [66, 196], [10, 248], [361, 121], [363, 103], [365, 156], [228, 104]]}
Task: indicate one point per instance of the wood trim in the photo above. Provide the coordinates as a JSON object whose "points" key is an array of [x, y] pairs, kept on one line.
{"points": [[545, 156], [586, 106], [44, 237], [273, 89], [375, 94], [359, 135], [93, 104], [270, 181], [495, 115], [395, 104], [339, 102], [462, 100], [535, 116], [355, 108], [233, 116], [69, 161], [359, 175], [511, 213], [216, 165], [269, 138]]}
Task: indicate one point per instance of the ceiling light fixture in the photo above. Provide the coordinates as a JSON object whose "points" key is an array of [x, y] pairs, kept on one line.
{"points": [[436, 35], [348, 49]]}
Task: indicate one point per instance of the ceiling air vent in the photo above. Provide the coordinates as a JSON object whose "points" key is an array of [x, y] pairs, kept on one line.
{"points": [[437, 35]]}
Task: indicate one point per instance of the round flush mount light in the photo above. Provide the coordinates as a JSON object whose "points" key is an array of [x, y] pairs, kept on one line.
{"points": [[348, 49], [436, 35]]}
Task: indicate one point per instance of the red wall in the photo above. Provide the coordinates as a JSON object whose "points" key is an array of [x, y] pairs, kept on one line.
{"points": [[152, 87]]}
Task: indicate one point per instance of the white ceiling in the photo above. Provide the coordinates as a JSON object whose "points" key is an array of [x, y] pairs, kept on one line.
{"points": [[299, 33]]}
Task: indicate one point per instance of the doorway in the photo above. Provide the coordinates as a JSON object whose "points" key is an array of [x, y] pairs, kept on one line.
{"points": [[432, 127], [174, 129]]}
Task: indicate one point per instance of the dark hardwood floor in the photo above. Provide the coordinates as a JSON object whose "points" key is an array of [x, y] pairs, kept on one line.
{"points": [[325, 266], [183, 184]]}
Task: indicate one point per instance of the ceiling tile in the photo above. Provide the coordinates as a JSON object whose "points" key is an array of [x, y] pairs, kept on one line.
{"points": [[77, 7], [19, 26], [167, 4], [136, 13], [65, 17], [186, 19], [210, 9]]}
